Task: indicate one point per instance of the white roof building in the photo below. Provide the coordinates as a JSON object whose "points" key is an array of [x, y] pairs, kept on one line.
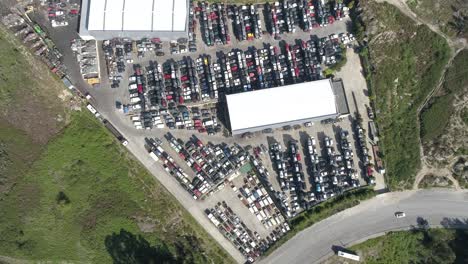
{"points": [[285, 105], [107, 19]]}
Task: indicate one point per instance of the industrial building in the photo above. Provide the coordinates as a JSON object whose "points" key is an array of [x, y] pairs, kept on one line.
{"points": [[286, 105], [105, 19]]}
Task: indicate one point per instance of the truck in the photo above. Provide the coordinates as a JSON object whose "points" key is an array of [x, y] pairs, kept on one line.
{"points": [[153, 156], [93, 110], [115, 132]]}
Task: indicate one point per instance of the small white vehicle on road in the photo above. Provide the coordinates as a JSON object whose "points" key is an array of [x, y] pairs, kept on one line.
{"points": [[400, 214]]}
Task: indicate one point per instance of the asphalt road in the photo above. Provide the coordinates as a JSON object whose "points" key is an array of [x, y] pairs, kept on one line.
{"points": [[372, 218]]}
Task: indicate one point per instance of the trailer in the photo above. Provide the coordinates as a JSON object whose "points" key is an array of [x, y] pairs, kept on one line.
{"points": [[348, 256]]}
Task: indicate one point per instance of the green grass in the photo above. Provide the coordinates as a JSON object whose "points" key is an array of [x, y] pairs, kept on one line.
{"points": [[441, 13], [69, 192], [84, 189], [322, 211], [456, 78], [407, 61], [16, 153], [436, 116], [465, 116], [29, 92], [417, 246]]}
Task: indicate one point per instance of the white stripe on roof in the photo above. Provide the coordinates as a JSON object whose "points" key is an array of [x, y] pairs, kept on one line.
{"points": [[180, 16], [162, 20], [114, 15], [96, 14]]}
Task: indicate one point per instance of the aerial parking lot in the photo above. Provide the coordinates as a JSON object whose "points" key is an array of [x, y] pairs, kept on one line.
{"points": [[183, 92], [166, 99]]}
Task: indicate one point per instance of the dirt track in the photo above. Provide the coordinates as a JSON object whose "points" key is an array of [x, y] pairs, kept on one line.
{"points": [[456, 45]]}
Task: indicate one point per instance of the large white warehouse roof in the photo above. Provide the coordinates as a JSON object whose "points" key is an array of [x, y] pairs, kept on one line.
{"points": [[256, 110], [116, 18]]}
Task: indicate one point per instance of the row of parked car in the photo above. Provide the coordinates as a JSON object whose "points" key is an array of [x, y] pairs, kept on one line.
{"points": [[364, 153], [117, 53], [333, 172], [255, 197], [203, 79], [213, 24], [249, 243], [211, 163], [246, 22], [284, 16], [157, 153], [165, 94], [290, 176], [239, 71], [280, 196], [192, 24]]}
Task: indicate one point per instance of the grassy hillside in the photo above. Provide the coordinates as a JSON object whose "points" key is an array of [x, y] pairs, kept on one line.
{"points": [[70, 192], [82, 192], [431, 246], [403, 63], [30, 109], [436, 117], [450, 15], [31, 98]]}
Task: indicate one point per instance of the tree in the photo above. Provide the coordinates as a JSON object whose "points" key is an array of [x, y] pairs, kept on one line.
{"points": [[438, 249], [127, 248]]}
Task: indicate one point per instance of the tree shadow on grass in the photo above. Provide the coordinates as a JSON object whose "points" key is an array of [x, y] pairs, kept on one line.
{"points": [[128, 248]]}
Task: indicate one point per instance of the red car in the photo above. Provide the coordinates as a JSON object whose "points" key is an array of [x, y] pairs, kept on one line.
{"points": [[196, 167]]}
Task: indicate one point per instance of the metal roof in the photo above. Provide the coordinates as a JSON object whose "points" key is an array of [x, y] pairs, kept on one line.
{"points": [[267, 107], [141, 15]]}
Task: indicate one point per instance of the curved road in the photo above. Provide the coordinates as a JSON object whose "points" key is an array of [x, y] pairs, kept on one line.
{"points": [[372, 218]]}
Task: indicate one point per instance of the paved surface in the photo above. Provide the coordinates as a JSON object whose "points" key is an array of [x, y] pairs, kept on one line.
{"points": [[104, 99], [355, 83], [439, 207]]}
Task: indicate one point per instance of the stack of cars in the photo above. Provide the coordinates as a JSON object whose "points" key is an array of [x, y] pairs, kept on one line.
{"points": [[213, 26], [246, 22]]}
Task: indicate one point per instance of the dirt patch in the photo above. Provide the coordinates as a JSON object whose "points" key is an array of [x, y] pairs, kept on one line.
{"points": [[434, 181], [147, 224], [454, 139]]}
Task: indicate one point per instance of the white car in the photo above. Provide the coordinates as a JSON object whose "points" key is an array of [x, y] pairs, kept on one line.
{"points": [[400, 214]]}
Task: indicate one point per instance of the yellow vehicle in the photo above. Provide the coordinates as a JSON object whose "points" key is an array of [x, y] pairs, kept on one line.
{"points": [[92, 81]]}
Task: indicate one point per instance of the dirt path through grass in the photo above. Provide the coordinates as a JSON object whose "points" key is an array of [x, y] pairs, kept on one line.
{"points": [[456, 46]]}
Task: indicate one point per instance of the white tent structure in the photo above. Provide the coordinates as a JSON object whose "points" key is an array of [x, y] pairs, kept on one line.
{"points": [[285, 105], [106, 19]]}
